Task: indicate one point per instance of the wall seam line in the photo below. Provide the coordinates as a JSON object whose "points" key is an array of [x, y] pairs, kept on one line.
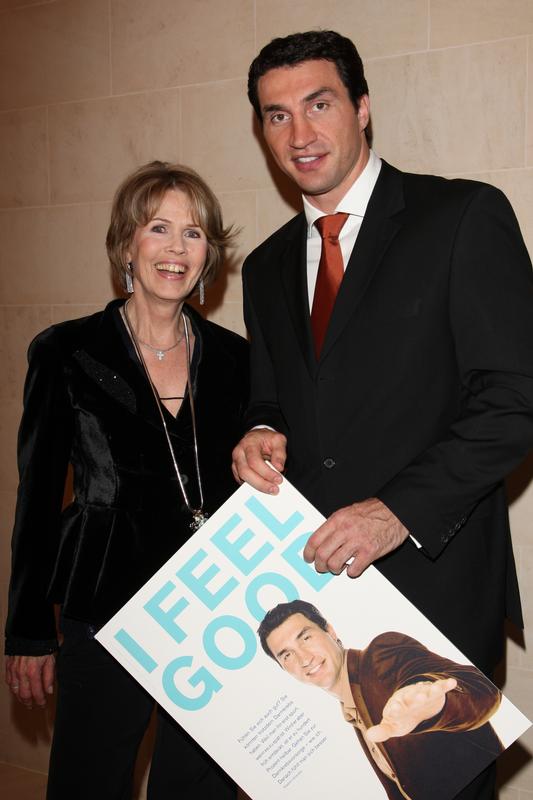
{"points": [[109, 42], [255, 26], [420, 51], [526, 104], [48, 157], [180, 125]]}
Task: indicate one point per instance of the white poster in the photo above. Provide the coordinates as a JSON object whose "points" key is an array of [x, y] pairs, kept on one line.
{"points": [[275, 721]]}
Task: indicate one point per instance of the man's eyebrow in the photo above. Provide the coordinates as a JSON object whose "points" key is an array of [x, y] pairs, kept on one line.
{"points": [[318, 93], [298, 636], [272, 107], [307, 99]]}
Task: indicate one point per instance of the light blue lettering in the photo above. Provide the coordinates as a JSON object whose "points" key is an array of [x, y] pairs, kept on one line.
{"points": [[166, 618], [134, 649], [268, 579], [198, 585], [232, 550], [279, 529], [201, 676], [293, 556], [247, 635]]}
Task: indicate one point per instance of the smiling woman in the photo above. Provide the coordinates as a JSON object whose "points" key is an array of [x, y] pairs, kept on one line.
{"points": [[167, 255], [165, 241], [125, 396]]}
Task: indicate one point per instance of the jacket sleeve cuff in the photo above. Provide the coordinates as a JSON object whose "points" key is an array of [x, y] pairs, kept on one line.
{"points": [[30, 647], [428, 532]]}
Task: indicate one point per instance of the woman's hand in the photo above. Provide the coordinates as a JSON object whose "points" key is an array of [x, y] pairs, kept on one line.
{"points": [[31, 678]]}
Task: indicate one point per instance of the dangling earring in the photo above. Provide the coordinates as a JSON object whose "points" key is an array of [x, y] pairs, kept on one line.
{"points": [[129, 279], [201, 291]]}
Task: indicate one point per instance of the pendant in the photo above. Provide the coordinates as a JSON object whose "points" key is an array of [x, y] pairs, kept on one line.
{"points": [[160, 354], [198, 519]]}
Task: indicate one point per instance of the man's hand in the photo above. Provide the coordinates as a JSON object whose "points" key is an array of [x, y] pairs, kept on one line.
{"points": [[410, 706], [256, 447], [31, 678], [363, 531]]}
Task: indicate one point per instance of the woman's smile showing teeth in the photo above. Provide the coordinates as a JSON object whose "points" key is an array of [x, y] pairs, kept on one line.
{"points": [[177, 268], [168, 254]]}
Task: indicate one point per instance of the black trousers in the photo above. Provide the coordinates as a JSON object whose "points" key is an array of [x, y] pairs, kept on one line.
{"points": [[102, 714]]}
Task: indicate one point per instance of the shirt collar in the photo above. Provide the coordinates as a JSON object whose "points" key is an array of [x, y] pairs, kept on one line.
{"points": [[356, 198]]}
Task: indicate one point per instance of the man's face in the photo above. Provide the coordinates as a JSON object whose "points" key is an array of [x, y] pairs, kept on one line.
{"points": [[307, 652], [313, 130]]}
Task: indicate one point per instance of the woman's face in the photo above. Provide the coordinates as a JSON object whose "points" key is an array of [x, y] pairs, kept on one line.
{"points": [[168, 254]]}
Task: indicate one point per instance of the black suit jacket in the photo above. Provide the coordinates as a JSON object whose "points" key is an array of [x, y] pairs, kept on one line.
{"points": [[423, 394], [88, 401], [444, 754]]}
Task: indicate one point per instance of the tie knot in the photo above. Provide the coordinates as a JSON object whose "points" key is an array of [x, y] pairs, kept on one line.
{"points": [[331, 225]]}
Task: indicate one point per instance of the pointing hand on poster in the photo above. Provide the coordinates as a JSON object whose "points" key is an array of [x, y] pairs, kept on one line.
{"points": [[410, 706]]}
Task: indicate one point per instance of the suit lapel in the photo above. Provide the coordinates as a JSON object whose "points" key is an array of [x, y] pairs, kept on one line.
{"points": [[293, 269], [377, 231]]}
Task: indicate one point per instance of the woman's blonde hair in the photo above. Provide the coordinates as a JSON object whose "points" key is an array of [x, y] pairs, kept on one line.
{"points": [[137, 200]]}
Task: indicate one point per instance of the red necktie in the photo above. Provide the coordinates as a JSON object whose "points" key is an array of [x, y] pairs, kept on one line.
{"points": [[330, 275]]}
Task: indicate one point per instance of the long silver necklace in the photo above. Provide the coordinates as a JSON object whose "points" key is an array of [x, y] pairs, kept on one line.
{"points": [[199, 516]]}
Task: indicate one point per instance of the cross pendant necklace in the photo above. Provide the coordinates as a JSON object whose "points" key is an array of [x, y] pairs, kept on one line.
{"points": [[160, 352]]}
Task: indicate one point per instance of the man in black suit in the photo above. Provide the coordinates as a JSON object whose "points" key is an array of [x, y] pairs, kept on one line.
{"points": [[402, 700], [400, 418]]}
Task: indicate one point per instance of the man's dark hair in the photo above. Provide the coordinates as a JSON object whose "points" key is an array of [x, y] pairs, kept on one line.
{"points": [[277, 615], [310, 45]]}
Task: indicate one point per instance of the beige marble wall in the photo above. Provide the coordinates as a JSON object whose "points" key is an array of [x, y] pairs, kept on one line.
{"points": [[91, 88]]}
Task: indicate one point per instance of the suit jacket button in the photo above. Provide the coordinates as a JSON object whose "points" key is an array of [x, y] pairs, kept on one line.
{"points": [[329, 463]]}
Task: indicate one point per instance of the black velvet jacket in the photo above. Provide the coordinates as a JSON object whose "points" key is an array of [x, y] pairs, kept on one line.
{"points": [[87, 402]]}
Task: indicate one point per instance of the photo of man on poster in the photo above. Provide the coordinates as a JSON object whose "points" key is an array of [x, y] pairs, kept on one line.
{"points": [[402, 700]]}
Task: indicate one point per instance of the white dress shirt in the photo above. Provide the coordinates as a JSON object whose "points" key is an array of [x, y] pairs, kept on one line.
{"points": [[353, 203]]}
